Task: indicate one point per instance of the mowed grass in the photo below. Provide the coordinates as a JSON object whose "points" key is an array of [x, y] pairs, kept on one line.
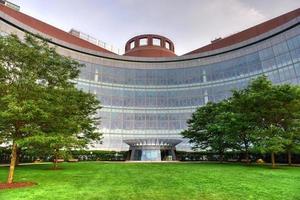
{"points": [[100, 180]]}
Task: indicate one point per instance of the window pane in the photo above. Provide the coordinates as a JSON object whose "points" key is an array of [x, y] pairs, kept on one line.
{"points": [[132, 44], [168, 45], [156, 41], [143, 41]]}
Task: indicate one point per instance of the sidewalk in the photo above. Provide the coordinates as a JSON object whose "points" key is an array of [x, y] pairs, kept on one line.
{"points": [[159, 162], [24, 164]]}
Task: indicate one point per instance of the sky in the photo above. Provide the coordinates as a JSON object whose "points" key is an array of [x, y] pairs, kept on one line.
{"points": [[190, 24]]}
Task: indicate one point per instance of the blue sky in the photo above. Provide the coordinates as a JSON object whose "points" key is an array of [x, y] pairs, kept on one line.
{"points": [[190, 24]]}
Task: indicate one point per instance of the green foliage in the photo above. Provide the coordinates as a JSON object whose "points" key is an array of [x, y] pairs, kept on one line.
{"points": [[270, 139], [210, 128], [40, 107], [262, 117], [272, 109], [99, 155]]}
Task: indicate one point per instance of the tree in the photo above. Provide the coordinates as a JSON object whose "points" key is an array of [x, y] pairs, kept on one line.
{"points": [[292, 144], [33, 80], [50, 145], [197, 132], [292, 134], [221, 129], [268, 108], [71, 125], [262, 116], [243, 125], [270, 139], [210, 128]]}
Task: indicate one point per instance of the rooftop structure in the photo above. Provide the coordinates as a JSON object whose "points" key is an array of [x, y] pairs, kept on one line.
{"points": [[10, 5], [95, 41], [150, 45]]}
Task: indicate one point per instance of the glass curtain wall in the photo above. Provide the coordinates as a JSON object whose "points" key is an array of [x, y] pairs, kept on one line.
{"points": [[145, 102]]}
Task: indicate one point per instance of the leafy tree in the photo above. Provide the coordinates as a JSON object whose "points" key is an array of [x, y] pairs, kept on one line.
{"points": [[243, 125], [268, 109], [292, 144], [270, 139], [197, 132], [50, 145], [72, 123], [38, 100], [221, 129], [210, 128], [262, 116], [292, 133], [72, 126]]}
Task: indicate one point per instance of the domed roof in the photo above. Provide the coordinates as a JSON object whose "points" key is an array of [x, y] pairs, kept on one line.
{"points": [[149, 45]]}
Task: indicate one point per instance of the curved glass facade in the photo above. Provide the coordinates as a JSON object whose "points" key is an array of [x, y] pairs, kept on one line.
{"points": [[155, 99]]}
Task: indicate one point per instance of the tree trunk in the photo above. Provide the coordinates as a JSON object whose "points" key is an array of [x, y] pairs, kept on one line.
{"points": [[18, 156], [56, 158], [12, 165], [273, 159], [290, 158], [221, 157], [246, 152], [247, 157]]}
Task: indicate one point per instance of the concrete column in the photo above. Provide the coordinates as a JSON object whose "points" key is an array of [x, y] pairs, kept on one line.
{"points": [[204, 81], [132, 154], [205, 97], [96, 76], [204, 76], [173, 154]]}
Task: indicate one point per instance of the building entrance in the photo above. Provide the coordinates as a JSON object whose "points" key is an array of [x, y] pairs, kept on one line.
{"points": [[152, 149]]}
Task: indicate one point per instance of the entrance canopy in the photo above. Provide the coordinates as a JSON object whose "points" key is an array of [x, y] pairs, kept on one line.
{"points": [[152, 142], [152, 149]]}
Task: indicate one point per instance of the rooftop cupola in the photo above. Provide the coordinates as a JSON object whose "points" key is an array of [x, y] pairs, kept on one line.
{"points": [[149, 45]]}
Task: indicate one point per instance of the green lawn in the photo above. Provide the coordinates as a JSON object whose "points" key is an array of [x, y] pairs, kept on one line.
{"points": [[96, 180]]}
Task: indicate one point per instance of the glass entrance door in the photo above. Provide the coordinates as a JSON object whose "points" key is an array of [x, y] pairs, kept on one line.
{"points": [[151, 155]]}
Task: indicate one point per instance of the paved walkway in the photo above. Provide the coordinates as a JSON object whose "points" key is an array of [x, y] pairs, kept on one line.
{"points": [[160, 162], [24, 164]]}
